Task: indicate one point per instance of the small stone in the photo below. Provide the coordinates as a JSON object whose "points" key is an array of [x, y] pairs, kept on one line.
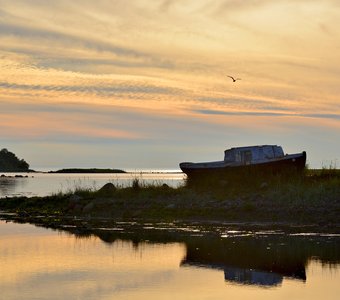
{"points": [[108, 187], [77, 208], [263, 185], [74, 199]]}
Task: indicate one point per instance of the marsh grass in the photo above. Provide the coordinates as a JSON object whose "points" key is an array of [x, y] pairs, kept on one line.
{"points": [[311, 184], [310, 195]]}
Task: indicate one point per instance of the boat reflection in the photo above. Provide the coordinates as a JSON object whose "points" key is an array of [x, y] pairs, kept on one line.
{"points": [[258, 269], [249, 276], [261, 260]]}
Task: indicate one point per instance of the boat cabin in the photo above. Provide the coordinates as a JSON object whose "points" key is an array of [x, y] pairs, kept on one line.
{"points": [[251, 154]]}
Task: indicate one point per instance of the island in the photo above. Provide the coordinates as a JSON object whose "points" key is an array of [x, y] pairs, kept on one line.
{"points": [[84, 170], [9, 162]]}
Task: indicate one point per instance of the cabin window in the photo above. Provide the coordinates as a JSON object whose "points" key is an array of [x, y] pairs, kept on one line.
{"points": [[261, 155], [268, 152], [238, 156], [278, 151], [229, 155], [246, 157]]}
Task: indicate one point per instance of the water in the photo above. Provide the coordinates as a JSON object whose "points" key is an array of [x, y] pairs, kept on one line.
{"points": [[44, 184], [166, 261]]}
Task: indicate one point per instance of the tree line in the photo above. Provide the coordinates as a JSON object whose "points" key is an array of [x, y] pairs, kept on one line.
{"points": [[9, 162]]}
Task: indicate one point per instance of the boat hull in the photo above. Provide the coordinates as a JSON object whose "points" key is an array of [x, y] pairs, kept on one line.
{"points": [[286, 165]]}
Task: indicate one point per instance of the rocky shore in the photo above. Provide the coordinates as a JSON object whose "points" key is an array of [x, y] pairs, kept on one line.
{"points": [[14, 176]]}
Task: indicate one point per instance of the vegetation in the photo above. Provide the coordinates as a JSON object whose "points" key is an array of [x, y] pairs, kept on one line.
{"points": [[309, 198], [10, 163]]}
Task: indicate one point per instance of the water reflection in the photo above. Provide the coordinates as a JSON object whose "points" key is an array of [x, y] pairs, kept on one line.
{"points": [[9, 185], [257, 257], [252, 277], [261, 260], [44, 184], [126, 260]]}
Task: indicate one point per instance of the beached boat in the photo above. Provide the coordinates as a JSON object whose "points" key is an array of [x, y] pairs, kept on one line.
{"points": [[266, 158]]}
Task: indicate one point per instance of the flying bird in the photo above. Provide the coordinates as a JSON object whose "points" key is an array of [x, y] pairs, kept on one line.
{"points": [[234, 79]]}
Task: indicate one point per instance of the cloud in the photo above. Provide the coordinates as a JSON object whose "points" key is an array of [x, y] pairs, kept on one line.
{"points": [[52, 48], [237, 113], [27, 33], [230, 6], [267, 114], [66, 123], [243, 103], [99, 89], [322, 116]]}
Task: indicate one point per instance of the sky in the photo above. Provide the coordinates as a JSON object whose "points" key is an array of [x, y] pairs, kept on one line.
{"points": [[143, 84]]}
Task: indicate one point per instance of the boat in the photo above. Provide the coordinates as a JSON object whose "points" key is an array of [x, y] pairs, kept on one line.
{"points": [[265, 158]]}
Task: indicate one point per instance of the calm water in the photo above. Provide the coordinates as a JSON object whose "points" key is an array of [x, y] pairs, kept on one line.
{"points": [[44, 184], [166, 261]]}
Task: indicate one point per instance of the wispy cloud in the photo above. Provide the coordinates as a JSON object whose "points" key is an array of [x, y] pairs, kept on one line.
{"points": [[60, 124], [242, 103], [100, 90], [268, 114], [42, 52]]}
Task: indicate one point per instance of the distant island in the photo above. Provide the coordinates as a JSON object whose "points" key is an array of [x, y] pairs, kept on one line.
{"points": [[9, 162], [91, 170]]}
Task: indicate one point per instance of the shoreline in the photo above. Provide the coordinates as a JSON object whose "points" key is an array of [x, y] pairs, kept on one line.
{"points": [[242, 212], [308, 201], [88, 224]]}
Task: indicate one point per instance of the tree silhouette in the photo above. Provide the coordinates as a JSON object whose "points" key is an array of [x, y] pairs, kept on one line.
{"points": [[9, 162]]}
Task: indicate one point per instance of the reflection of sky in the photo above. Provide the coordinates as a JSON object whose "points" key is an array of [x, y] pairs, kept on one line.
{"points": [[9, 186], [54, 265], [143, 84], [61, 267], [46, 184]]}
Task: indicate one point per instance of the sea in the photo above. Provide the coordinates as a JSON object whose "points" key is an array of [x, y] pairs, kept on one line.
{"points": [[46, 184], [178, 260]]}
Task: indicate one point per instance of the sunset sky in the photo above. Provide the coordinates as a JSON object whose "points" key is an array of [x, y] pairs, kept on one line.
{"points": [[143, 83]]}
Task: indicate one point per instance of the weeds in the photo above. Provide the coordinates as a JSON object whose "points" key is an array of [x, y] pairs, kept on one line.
{"points": [[312, 194], [135, 184]]}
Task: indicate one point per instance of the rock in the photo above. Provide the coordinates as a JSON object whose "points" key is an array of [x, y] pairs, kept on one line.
{"points": [[222, 183], [165, 186], [108, 187], [171, 206], [88, 207], [77, 208], [263, 185], [75, 199]]}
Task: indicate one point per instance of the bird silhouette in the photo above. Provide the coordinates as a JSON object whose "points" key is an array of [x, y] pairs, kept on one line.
{"points": [[234, 79]]}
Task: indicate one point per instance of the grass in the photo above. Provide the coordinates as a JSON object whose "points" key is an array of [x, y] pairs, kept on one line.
{"points": [[311, 197]]}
